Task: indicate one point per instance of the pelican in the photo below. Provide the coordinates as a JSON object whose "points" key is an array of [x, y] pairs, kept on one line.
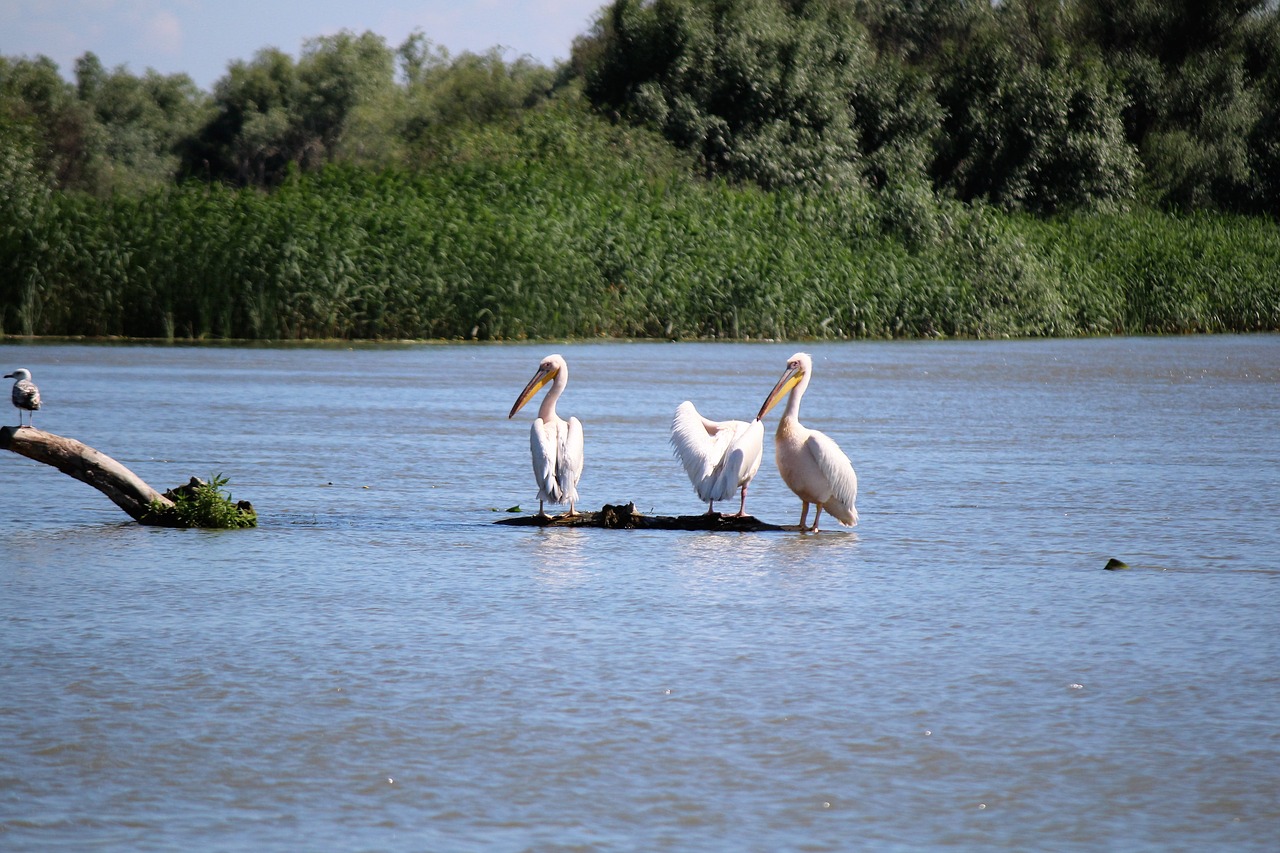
{"points": [[720, 457], [25, 394], [811, 464], [556, 443]]}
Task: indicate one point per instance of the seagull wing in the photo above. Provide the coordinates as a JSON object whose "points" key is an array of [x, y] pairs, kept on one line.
{"points": [[26, 395]]}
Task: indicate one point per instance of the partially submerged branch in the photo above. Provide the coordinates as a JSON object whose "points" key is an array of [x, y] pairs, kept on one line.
{"points": [[625, 517], [126, 489]]}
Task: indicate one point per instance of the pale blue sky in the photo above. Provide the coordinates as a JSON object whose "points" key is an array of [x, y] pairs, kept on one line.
{"points": [[200, 37]]}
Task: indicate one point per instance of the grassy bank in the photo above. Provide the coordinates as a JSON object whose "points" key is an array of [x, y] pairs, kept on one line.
{"points": [[525, 248]]}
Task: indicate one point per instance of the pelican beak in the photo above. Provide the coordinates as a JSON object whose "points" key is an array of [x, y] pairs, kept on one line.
{"points": [[788, 381], [542, 377]]}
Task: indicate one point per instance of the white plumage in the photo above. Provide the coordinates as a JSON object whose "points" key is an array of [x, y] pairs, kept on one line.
{"points": [[25, 395], [811, 464], [554, 443], [720, 457]]}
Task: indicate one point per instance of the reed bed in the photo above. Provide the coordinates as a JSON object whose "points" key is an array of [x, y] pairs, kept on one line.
{"points": [[526, 248]]}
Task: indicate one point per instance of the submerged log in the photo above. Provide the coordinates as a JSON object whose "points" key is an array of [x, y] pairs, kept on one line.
{"points": [[125, 489], [625, 517]]}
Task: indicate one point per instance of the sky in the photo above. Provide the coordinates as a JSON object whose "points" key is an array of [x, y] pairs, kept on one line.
{"points": [[200, 37]]}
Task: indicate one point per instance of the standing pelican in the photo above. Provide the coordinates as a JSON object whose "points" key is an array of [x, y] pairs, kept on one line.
{"points": [[811, 464], [556, 443], [25, 394], [720, 457]]}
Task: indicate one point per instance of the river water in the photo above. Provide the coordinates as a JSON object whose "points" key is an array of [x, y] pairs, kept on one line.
{"points": [[380, 667]]}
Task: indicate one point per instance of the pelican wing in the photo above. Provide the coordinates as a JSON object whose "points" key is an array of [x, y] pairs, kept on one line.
{"points": [[693, 446], [840, 477], [742, 459], [544, 447], [570, 458], [718, 456]]}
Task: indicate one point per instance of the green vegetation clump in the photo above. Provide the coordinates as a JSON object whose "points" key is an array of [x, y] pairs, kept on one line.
{"points": [[202, 505], [698, 169]]}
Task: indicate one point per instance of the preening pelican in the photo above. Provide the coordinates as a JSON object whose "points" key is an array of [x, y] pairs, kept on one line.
{"points": [[720, 457], [811, 464], [25, 394], [556, 443]]}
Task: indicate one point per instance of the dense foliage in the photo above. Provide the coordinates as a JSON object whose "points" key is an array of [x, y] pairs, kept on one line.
{"points": [[741, 168]]}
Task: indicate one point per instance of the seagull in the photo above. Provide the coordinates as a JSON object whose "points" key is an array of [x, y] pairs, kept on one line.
{"points": [[25, 395]]}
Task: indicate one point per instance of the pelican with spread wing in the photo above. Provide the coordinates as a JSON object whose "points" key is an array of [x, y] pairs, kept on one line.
{"points": [[556, 444], [720, 457], [811, 464]]}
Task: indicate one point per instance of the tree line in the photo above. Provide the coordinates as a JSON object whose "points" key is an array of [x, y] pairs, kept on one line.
{"points": [[1035, 105], [739, 168]]}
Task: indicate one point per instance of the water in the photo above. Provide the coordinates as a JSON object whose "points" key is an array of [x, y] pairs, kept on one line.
{"points": [[379, 667]]}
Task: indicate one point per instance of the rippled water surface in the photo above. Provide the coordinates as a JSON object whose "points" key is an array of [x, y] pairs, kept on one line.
{"points": [[380, 667]]}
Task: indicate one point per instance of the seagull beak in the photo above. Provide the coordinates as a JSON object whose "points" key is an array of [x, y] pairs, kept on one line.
{"points": [[542, 377], [789, 380]]}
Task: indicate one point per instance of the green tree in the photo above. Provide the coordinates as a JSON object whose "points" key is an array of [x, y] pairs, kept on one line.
{"points": [[759, 90], [272, 113], [336, 75], [140, 122], [1030, 124], [1195, 76], [920, 31], [1264, 136], [34, 95], [447, 94], [250, 138]]}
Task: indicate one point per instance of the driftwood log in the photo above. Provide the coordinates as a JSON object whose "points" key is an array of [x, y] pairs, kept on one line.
{"points": [[76, 459], [625, 517], [125, 489]]}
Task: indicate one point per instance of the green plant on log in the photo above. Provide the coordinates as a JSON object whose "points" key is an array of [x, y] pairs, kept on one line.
{"points": [[203, 505]]}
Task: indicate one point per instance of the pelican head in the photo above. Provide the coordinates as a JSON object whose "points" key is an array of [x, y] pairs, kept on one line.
{"points": [[20, 374], [552, 367], [799, 367]]}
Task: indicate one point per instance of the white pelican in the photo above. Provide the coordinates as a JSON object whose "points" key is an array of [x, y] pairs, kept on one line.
{"points": [[811, 464], [25, 394], [556, 443], [720, 457]]}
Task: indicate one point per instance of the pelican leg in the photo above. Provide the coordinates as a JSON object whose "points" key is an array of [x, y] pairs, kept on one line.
{"points": [[816, 516], [541, 512], [711, 508], [804, 514], [742, 507]]}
